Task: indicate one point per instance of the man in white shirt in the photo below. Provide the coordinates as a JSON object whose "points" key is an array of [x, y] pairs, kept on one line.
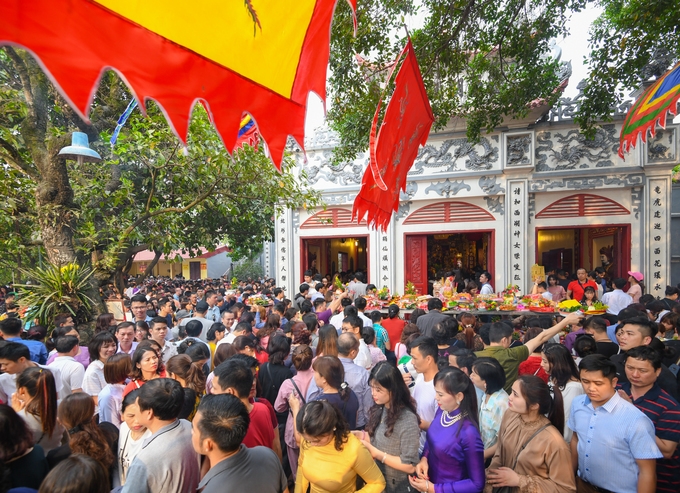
{"points": [[617, 300], [424, 354], [242, 329], [347, 311], [360, 303], [484, 280], [354, 325], [15, 358], [125, 334], [72, 372]]}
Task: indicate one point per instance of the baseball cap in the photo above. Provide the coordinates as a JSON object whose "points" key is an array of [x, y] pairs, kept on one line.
{"points": [[182, 314], [636, 275], [202, 306]]}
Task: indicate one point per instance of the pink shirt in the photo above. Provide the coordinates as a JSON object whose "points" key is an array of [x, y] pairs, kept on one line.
{"points": [[634, 292]]}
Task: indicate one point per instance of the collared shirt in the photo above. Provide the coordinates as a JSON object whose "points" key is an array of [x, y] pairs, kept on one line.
{"points": [[490, 416], [131, 351], [36, 349], [427, 322], [664, 411], [616, 301], [243, 472], [169, 350], [614, 435], [486, 289], [357, 379], [213, 314], [166, 462], [381, 337]]}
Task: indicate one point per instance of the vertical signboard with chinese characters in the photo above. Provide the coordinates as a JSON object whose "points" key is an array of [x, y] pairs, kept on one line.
{"points": [[516, 229], [385, 258], [657, 226], [284, 253]]}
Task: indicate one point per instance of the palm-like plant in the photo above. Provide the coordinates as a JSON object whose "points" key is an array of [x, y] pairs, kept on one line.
{"points": [[55, 290]]}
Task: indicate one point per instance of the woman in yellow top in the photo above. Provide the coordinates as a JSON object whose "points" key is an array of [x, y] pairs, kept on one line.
{"points": [[331, 457]]}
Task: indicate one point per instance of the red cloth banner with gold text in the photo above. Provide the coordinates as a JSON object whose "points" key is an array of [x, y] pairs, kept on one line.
{"points": [[260, 57], [406, 126]]}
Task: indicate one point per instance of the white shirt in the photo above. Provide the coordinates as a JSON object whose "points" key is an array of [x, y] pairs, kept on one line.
{"points": [[367, 321], [547, 295], [111, 402], [486, 289], [94, 380], [363, 358], [169, 350], [8, 384], [131, 351], [72, 373], [228, 339], [128, 449], [336, 321], [616, 301], [424, 394]]}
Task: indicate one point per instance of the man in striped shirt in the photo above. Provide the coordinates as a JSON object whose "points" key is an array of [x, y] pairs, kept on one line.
{"points": [[642, 366]]}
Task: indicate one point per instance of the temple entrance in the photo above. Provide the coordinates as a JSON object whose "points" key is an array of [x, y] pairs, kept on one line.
{"points": [[327, 256], [431, 256], [595, 246]]}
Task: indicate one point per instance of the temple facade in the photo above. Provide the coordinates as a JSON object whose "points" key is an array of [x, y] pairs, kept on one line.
{"points": [[534, 192]]}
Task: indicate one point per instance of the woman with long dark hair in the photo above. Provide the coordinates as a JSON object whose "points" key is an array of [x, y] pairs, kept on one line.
{"points": [[532, 455], [327, 342], [26, 462], [557, 362], [76, 413], [589, 296], [273, 373], [488, 376], [329, 376], [558, 293], [36, 402], [453, 457], [331, 458], [393, 427]]}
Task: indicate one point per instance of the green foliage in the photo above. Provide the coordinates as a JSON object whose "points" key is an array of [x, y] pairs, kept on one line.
{"points": [[481, 61], [630, 42], [247, 269], [55, 290]]}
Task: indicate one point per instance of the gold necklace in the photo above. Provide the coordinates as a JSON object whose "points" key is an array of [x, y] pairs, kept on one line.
{"points": [[447, 420]]}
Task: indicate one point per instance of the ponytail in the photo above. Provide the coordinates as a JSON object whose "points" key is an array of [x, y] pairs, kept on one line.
{"points": [[556, 413], [454, 381], [182, 366], [344, 391], [470, 337], [39, 384]]}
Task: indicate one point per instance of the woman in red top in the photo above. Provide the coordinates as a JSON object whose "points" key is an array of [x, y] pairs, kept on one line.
{"points": [[532, 366], [146, 365], [245, 345], [394, 325]]}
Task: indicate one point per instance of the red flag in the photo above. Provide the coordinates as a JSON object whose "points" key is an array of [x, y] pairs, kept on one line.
{"points": [[406, 126]]}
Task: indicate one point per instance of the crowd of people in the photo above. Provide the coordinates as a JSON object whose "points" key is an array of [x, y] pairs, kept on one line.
{"points": [[199, 390]]}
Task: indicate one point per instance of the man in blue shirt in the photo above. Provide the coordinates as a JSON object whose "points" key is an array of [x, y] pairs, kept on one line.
{"points": [[613, 447], [11, 331]]}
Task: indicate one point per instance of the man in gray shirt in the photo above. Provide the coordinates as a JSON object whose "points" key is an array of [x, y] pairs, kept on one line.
{"points": [[433, 316], [219, 427], [167, 461], [199, 314]]}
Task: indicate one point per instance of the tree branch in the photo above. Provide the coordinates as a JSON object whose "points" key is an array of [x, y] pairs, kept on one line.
{"points": [[149, 268], [21, 69], [15, 160]]}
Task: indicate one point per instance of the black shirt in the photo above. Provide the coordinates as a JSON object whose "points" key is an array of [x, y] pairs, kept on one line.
{"points": [[607, 349], [28, 471], [271, 377]]}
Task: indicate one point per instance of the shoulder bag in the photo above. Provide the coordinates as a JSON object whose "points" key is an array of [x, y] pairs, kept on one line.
{"points": [[508, 489]]}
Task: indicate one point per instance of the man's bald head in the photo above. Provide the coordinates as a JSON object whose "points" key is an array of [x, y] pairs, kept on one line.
{"points": [[347, 342]]}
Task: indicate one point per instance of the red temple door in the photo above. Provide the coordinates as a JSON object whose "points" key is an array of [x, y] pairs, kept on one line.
{"points": [[416, 262]]}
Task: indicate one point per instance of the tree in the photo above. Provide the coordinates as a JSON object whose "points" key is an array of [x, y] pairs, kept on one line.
{"points": [[148, 192], [485, 61], [632, 41]]}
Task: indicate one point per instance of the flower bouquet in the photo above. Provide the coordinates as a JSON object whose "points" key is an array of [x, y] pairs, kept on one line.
{"points": [[384, 294]]}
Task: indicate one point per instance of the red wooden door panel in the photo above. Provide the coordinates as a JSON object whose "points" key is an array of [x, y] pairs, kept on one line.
{"points": [[416, 262]]}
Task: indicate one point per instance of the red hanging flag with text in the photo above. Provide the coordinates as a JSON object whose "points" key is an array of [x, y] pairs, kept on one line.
{"points": [[406, 126]]}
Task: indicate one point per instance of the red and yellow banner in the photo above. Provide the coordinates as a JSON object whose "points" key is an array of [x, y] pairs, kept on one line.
{"points": [[260, 57], [651, 109]]}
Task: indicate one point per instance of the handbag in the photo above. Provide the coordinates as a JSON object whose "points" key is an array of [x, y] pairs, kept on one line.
{"points": [[508, 489]]}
